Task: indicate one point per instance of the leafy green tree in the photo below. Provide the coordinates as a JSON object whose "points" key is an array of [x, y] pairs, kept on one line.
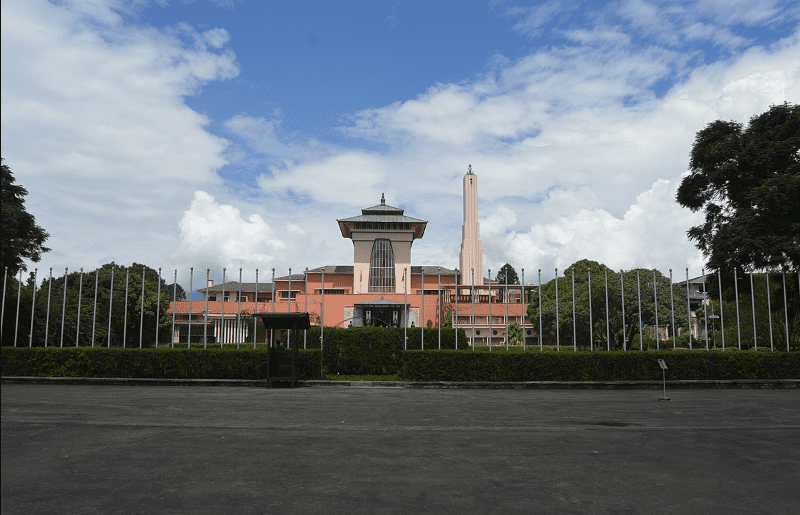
{"points": [[83, 323], [21, 238], [747, 181], [622, 335], [736, 319], [515, 334]]}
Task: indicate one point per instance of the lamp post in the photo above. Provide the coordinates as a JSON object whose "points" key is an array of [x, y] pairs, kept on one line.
{"points": [[489, 338]]}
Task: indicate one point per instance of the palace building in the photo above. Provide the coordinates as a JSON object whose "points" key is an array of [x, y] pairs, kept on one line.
{"points": [[380, 288]]}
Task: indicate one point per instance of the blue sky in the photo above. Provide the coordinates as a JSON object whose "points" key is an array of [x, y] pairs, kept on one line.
{"points": [[234, 133]]}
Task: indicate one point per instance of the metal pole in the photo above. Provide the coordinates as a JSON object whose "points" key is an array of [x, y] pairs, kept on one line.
{"points": [[322, 311], [455, 315], [125, 324], [94, 312], [205, 313], [439, 307], [721, 318], [524, 308], [111, 304], [672, 310], [158, 305], [785, 311], [80, 297], [639, 300], [289, 302], [753, 302], [191, 294], [591, 322], [558, 329], [222, 332], [239, 311], [47, 317], [738, 322], [540, 310], [271, 333], [33, 307], [472, 301], [422, 318], [624, 328], [405, 308], [608, 322], [63, 309], [3, 310], [305, 303], [489, 339], [255, 319], [655, 303], [174, 308], [19, 297], [574, 325], [141, 311], [705, 311], [688, 308], [506, 299], [769, 315]]}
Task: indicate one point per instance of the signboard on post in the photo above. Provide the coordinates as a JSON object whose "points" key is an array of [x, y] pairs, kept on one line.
{"points": [[663, 365]]}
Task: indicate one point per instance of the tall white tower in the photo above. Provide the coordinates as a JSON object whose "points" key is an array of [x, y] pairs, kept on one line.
{"points": [[471, 257]]}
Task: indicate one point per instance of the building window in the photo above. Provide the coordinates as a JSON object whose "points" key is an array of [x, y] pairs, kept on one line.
{"points": [[381, 272], [331, 291], [286, 294]]}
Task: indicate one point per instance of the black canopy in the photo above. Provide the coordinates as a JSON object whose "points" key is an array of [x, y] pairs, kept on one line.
{"points": [[284, 320]]}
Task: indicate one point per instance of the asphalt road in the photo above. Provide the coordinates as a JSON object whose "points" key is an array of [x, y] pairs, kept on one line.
{"points": [[116, 449]]}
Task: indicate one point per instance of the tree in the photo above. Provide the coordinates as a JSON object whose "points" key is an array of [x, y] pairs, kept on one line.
{"points": [[747, 181], [622, 335], [94, 325], [21, 237], [507, 270]]}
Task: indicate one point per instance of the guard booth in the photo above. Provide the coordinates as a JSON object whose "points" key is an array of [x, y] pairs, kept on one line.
{"points": [[282, 364]]}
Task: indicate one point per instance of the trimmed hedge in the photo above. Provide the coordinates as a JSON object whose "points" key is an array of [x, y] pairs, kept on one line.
{"points": [[379, 350], [597, 366], [162, 363]]}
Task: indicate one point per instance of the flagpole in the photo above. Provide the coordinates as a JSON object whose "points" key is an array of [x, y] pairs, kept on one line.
{"points": [[63, 309], [524, 308], [422, 318], [80, 298], [305, 304], [439, 306], [454, 319], [490, 310], [405, 310], [255, 319], [158, 307], [33, 307]]}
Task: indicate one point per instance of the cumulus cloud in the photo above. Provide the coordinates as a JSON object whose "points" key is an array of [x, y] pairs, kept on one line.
{"points": [[651, 233], [95, 126], [214, 235]]}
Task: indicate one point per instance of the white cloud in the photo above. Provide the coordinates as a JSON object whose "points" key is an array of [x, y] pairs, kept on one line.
{"points": [[214, 235], [651, 233], [94, 125]]}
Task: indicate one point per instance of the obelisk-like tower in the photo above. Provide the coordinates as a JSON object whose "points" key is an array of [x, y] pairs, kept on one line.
{"points": [[471, 257]]}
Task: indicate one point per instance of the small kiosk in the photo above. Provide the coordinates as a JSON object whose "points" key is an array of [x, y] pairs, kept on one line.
{"points": [[282, 364]]}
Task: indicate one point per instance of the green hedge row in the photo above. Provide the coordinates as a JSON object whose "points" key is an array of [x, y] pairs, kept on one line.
{"points": [[379, 350], [597, 366], [163, 363]]}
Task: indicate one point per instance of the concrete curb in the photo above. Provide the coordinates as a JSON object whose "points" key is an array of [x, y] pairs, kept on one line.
{"points": [[523, 385]]}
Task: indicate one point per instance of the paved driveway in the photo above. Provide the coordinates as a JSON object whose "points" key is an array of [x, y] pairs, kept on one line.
{"points": [[111, 449]]}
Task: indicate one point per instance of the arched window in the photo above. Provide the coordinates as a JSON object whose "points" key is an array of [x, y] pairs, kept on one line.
{"points": [[381, 271]]}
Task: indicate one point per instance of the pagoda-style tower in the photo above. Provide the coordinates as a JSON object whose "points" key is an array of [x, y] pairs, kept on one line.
{"points": [[471, 257], [382, 238]]}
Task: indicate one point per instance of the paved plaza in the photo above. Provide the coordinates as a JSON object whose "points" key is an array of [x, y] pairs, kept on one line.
{"points": [[157, 449]]}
